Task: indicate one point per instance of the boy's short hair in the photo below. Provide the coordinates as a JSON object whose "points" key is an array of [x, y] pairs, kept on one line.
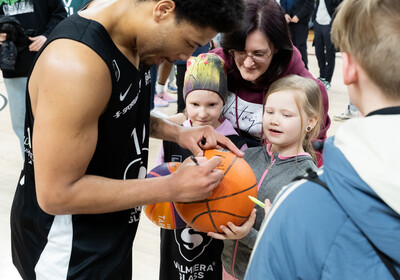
{"points": [[205, 72], [369, 30]]}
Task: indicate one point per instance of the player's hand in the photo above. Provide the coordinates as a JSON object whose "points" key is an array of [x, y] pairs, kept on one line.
{"points": [[37, 43], [197, 139], [3, 37], [191, 182], [235, 232]]}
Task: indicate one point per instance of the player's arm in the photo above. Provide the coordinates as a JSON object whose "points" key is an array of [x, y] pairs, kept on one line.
{"points": [[69, 92], [196, 139]]}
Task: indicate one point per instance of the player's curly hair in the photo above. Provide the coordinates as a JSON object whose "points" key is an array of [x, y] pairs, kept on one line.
{"points": [[221, 15]]}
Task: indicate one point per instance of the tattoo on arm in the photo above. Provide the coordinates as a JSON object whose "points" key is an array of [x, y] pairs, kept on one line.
{"points": [[154, 124]]}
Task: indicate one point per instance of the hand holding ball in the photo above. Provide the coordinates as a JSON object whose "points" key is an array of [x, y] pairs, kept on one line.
{"points": [[229, 201]]}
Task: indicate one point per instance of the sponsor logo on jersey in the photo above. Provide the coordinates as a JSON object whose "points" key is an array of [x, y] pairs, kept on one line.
{"points": [[191, 243], [117, 72], [122, 96]]}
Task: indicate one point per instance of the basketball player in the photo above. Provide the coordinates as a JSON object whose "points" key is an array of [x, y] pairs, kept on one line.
{"points": [[78, 201]]}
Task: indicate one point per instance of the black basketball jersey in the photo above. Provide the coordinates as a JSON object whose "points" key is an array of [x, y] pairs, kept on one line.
{"points": [[88, 246]]}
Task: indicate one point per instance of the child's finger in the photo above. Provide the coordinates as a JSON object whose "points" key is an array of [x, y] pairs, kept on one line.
{"points": [[216, 235], [268, 206]]}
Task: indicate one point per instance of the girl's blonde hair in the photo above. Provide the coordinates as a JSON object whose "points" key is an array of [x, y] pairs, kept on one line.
{"points": [[308, 98]]}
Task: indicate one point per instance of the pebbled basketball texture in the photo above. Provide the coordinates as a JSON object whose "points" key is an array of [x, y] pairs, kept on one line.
{"points": [[229, 201], [164, 214]]}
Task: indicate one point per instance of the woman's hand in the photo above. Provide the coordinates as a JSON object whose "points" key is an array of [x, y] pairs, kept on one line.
{"points": [[235, 232]]}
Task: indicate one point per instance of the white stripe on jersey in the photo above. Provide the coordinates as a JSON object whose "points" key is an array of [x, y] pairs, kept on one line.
{"points": [[54, 260]]}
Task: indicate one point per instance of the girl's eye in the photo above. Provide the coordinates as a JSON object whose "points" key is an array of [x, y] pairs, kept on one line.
{"points": [[212, 105], [195, 104], [269, 112], [287, 115]]}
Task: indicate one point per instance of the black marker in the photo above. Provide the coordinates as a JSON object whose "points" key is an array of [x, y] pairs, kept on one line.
{"points": [[194, 159]]}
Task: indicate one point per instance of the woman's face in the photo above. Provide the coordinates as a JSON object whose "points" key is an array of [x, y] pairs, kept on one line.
{"points": [[256, 58]]}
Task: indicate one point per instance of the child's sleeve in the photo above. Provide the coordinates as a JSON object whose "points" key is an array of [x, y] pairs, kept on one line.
{"points": [[250, 239]]}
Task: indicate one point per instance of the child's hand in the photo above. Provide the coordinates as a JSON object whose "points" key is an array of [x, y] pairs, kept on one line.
{"points": [[235, 232], [268, 206]]}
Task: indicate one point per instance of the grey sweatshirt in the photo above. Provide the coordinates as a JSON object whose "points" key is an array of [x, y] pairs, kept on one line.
{"points": [[281, 171]]}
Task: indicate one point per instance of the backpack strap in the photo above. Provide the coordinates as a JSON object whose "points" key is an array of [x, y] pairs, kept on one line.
{"points": [[312, 176]]}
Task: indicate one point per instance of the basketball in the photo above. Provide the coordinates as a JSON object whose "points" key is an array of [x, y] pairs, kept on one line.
{"points": [[163, 214], [229, 201]]}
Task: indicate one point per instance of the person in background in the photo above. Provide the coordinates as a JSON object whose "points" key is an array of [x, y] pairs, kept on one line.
{"points": [[351, 112], [324, 49], [291, 119], [40, 18], [297, 15], [162, 97], [73, 6], [344, 221], [205, 90]]}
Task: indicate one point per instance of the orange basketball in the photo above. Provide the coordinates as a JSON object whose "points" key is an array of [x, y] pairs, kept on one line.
{"points": [[163, 214], [229, 201]]}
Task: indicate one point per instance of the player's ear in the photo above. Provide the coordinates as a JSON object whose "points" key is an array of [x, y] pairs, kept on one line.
{"points": [[350, 74], [163, 9]]}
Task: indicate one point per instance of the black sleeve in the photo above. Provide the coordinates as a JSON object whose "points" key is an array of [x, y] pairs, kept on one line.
{"points": [[306, 9], [57, 13]]}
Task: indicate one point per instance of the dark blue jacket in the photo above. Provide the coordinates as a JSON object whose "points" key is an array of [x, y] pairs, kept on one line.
{"points": [[303, 9]]}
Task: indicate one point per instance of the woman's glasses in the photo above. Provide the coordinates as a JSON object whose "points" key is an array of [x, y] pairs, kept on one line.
{"points": [[257, 56]]}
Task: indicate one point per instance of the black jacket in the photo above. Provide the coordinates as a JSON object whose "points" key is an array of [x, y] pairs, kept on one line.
{"points": [[303, 9], [331, 6], [40, 16]]}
